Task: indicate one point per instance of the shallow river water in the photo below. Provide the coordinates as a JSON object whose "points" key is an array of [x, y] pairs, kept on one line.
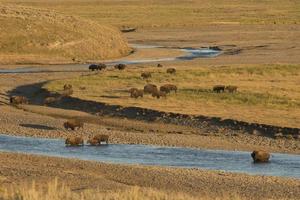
{"points": [[287, 165], [187, 54]]}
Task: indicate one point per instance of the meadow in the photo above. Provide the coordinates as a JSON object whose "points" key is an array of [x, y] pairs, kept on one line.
{"points": [[266, 94], [175, 13]]}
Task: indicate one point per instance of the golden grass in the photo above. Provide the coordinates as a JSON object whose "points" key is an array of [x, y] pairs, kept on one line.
{"points": [[176, 13], [57, 191], [266, 94], [32, 35]]}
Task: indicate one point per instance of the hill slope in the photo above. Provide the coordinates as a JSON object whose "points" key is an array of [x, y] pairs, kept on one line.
{"points": [[30, 35]]}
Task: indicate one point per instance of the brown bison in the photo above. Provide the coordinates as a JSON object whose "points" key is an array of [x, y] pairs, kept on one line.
{"points": [[146, 75], [67, 87], [120, 66], [18, 100], [97, 67], [158, 94], [231, 88], [219, 88], [260, 156], [171, 70], [73, 124], [101, 138], [167, 88], [150, 88], [102, 66], [93, 142], [136, 93], [132, 90], [49, 100], [159, 65], [74, 141]]}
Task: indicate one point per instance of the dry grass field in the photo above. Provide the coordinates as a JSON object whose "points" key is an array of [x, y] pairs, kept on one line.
{"points": [[176, 13], [58, 191], [266, 94]]}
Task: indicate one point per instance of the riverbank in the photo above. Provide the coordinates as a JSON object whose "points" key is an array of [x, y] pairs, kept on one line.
{"points": [[40, 121], [17, 169]]}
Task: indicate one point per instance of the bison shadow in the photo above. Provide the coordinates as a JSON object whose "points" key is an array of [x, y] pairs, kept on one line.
{"points": [[38, 126]]}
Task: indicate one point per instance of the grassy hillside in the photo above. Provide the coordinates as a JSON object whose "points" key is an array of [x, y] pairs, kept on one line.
{"points": [[267, 94], [176, 13], [32, 35]]}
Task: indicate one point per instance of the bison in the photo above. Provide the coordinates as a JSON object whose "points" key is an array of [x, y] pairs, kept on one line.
{"points": [[167, 88], [102, 66], [132, 90], [67, 87], [231, 88], [73, 124], [171, 70], [120, 66], [146, 75], [158, 94], [219, 88], [74, 141], [93, 142], [150, 88], [136, 93], [93, 67], [101, 138], [159, 65], [260, 156], [18, 100]]}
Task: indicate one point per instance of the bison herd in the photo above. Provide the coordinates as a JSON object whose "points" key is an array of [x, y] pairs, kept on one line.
{"points": [[97, 67], [73, 124], [94, 141], [153, 90], [102, 66], [223, 88]]}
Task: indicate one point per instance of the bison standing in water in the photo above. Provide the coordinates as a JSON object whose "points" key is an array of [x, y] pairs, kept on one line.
{"points": [[73, 124], [102, 138], [18, 100], [260, 156], [74, 141], [96, 140]]}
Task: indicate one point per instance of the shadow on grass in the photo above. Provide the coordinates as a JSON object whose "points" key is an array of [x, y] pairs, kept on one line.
{"points": [[36, 94]]}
